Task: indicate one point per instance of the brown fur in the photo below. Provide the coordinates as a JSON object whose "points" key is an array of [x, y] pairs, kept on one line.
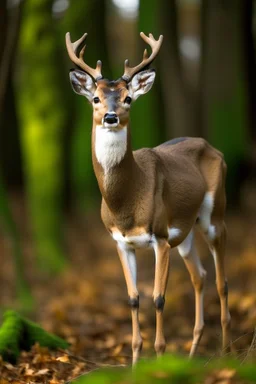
{"points": [[111, 100], [151, 190], [155, 188]]}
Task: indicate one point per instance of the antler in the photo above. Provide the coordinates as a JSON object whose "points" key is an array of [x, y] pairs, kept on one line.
{"points": [[129, 72], [79, 61]]}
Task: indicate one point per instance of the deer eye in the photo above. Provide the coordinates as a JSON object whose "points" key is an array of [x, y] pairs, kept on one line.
{"points": [[128, 100], [96, 100]]}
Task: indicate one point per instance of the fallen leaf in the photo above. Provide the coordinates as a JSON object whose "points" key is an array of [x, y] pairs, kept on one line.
{"points": [[226, 374], [78, 368], [29, 372], [10, 367], [42, 372], [63, 359], [117, 350]]}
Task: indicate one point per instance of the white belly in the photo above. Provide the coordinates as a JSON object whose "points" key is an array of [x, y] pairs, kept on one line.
{"points": [[143, 240]]}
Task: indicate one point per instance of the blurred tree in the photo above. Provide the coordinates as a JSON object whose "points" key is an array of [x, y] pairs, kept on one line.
{"points": [[10, 156], [9, 228], [42, 114], [178, 101], [250, 62], [224, 86], [147, 122], [78, 20], [7, 45]]}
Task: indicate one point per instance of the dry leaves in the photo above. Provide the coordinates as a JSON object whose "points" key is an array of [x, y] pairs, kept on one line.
{"points": [[43, 366], [88, 305], [224, 376]]}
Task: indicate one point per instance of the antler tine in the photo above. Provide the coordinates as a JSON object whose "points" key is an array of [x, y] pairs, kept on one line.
{"points": [[145, 54], [79, 61], [77, 43], [155, 45], [99, 66]]}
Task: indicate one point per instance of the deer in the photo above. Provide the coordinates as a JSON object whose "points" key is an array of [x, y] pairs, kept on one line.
{"points": [[153, 197]]}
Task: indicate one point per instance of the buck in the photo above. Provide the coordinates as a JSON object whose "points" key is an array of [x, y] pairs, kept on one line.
{"points": [[153, 197]]}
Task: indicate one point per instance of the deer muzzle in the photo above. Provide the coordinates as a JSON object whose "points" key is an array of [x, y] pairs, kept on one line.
{"points": [[110, 119]]}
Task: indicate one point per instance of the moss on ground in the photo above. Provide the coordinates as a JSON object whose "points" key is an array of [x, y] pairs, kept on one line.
{"points": [[18, 333]]}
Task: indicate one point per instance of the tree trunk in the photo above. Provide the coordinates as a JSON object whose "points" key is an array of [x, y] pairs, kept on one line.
{"points": [[147, 123], [178, 102], [224, 86], [250, 63], [43, 114], [8, 226], [10, 156]]}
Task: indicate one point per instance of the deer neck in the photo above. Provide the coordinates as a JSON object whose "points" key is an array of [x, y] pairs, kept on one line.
{"points": [[114, 165]]}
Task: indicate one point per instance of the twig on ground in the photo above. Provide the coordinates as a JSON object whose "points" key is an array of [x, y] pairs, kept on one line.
{"points": [[251, 348], [230, 345]]}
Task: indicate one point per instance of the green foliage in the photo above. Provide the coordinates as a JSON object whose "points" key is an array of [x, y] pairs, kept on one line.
{"points": [[18, 333], [42, 114], [179, 370], [167, 369], [228, 132]]}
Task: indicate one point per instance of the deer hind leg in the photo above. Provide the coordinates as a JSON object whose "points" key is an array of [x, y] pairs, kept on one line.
{"points": [[211, 222], [128, 261], [197, 273], [217, 246], [162, 254], [214, 230]]}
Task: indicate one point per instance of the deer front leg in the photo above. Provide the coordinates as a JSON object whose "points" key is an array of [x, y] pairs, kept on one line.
{"points": [[162, 254], [128, 261]]}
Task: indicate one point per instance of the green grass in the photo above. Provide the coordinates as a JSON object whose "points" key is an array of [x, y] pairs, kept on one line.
{"points": [[169, 369]]}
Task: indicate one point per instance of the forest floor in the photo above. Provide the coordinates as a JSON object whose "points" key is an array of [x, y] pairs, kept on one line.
{"points": [[87, 304]]}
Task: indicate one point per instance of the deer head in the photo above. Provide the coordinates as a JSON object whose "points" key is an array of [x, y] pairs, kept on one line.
{"points": [[111, 100]]}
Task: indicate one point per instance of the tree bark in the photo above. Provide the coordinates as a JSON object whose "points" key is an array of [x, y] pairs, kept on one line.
{"points": [[179, 106], [224, 86], [42, 112], [10, 155], [147, 117], [250, 63], [8, 39]]}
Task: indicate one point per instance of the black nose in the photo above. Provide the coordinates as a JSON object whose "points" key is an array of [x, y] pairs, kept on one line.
{"points": [[110, 118]]}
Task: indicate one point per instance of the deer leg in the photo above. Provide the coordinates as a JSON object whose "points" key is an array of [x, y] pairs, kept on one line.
{"points": [[128, 261], [197, 275], [162, 253], [218, 250]]}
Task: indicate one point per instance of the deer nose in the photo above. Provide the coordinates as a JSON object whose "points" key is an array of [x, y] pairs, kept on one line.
{"points": [[111, 118]]}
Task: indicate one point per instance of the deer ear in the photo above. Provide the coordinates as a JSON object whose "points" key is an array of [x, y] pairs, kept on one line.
{"points": [[82, 83], [141, 83]]}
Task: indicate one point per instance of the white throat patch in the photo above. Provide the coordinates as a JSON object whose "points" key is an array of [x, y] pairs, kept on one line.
{"points": [[110, 146]]}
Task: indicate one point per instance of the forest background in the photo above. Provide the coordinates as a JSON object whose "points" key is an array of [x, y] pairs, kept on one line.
{"points": [[52, 243]]}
